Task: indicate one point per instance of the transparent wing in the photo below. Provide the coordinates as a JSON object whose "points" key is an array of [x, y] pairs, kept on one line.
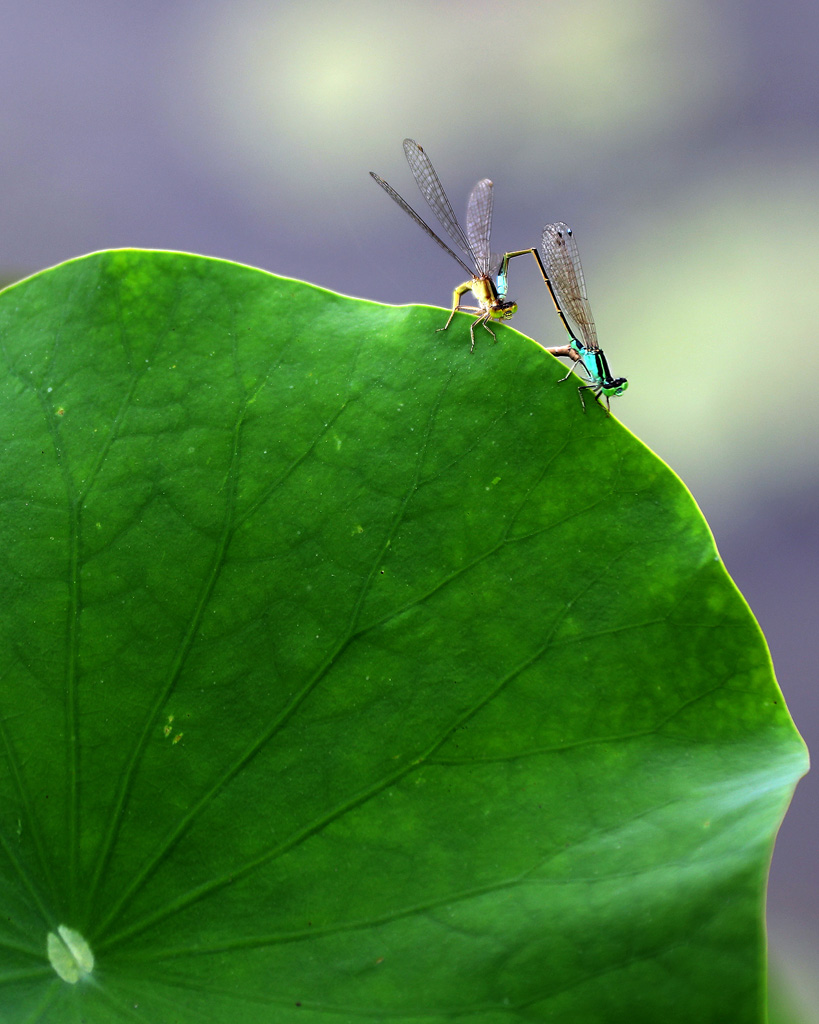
{"points": [[405, 206], [562, 262], [479, 225], [433, 191]]}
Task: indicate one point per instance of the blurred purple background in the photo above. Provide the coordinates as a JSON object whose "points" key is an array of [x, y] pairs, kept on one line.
{"points": [[680, 140]]}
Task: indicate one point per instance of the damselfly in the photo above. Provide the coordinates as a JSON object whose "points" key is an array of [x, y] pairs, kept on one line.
{"points": [[488, 272], [563, 274]]}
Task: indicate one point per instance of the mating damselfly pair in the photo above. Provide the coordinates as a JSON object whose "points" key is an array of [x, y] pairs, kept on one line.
{"points": [[558, 261]]}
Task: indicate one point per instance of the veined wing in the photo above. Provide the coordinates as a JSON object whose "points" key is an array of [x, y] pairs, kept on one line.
{"points": [[479, 225], [405, 206], [562, 262], [433, 191]]}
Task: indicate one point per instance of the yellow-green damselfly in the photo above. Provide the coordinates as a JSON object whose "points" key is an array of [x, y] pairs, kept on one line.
{"points": [[488, 272]]}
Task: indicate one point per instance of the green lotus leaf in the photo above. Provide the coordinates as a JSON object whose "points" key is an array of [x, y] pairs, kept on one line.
{"points": [[349, 676]]}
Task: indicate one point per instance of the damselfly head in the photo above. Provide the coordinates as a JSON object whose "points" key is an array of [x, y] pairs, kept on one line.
{"points": [[614, 387], [508, 310]]}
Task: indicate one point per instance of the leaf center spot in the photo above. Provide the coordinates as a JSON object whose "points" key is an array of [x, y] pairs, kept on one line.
{"points": [[69, 954]]}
